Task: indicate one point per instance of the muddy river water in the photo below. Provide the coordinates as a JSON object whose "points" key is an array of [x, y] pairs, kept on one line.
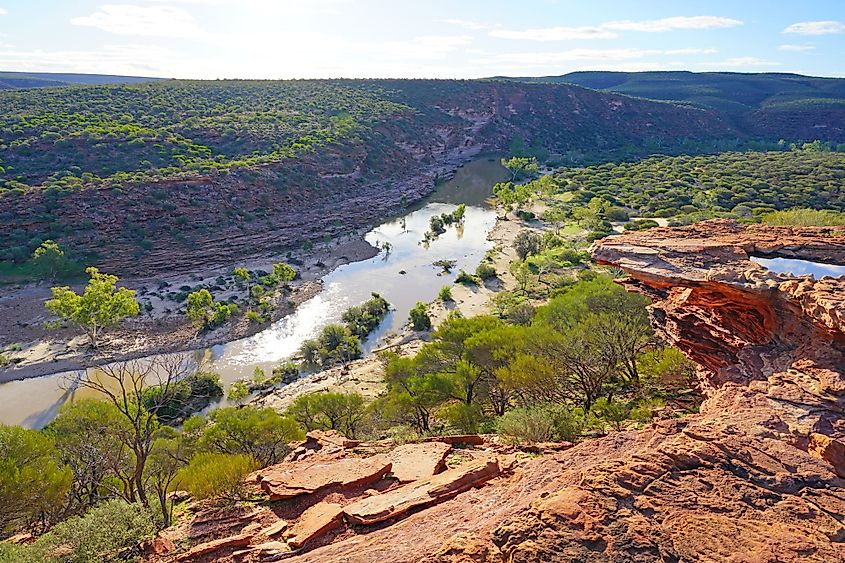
{"points": [[403, 275]]}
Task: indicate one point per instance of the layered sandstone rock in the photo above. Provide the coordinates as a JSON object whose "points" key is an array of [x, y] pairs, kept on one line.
{"points": [[378, 508], [752, 477], [412, 462], [284, 481]]}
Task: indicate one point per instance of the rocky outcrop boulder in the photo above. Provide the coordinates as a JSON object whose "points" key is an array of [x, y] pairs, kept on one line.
{"points": [[285, 480]]}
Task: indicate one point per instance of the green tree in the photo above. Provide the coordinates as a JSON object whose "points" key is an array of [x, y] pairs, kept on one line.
{"points": [[205, 313], [242, 275], [102, 304], [527, 243], [92, 438], [263, 434], [329, 411], [521, 167], [33, 482], [50, 260], [238, 391]]}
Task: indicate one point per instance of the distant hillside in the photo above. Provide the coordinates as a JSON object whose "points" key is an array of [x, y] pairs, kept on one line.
{"points": [[765, 104], [14, 80], [233, 167]]}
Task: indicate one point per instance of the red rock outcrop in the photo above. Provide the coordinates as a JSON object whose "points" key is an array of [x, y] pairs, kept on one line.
{"points": [[752, 477], [378, 508], [412, 462], [284, 481]]}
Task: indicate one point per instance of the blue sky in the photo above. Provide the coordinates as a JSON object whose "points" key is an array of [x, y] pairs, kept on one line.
{"points": [[431, 38]]}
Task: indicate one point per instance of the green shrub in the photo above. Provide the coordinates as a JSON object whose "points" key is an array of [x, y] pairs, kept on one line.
{"points": [[111, 531], [526, 425], [541, 423], [445, 295], [465, 418], [614, 413], [485, 271], [216, 475], [466, 279], [419, 318], [805, 218], [641, 224]]}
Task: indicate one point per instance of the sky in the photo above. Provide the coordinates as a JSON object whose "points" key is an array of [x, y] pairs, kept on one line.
{"points": [[274, 39]]}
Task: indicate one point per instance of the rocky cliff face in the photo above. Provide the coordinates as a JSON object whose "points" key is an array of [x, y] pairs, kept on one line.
{"points": [[757, 475]]}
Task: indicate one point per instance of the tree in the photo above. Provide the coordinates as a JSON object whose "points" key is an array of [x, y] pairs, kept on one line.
{"points": [[123, 384], [102, 305], [263, 434], [419, 318], [521, 167], [167, 457], [329, 411], [238, 391], [50, 260], [92, 438], [205, 313], [33, 481], [412, 392], [527, 243]]}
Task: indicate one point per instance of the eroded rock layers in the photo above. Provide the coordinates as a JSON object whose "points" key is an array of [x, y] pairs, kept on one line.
{"points": [[755, 476]]}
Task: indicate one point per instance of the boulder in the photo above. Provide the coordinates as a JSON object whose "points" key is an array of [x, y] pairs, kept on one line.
{"points": [[206, 548], [412, 462], [274, 529], [267, 549], [314, 522], [284, 481], [830, 450], [421, 493]]}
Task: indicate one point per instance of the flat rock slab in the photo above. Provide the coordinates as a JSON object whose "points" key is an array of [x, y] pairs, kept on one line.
{"points": [[420, 493], [267, 549], [239, 540], [412, 462], [283, 481], [314, 522]]}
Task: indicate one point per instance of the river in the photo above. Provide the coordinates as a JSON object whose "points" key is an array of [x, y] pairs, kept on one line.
{"points": [[404, 275]]}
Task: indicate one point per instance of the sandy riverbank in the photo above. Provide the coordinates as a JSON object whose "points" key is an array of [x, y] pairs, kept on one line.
{"points": [[163, 329]]}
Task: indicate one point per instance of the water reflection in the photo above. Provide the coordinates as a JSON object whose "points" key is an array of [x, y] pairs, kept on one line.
{"points": [[34, 402], [797, 267]]}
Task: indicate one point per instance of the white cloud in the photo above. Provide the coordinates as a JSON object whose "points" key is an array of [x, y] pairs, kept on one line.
{"points": [[796, 48], [555, 33], [137, 60], [826, 27], [3, 12], [466, 24], [608, 30], [149, 21], [739, 62], [669, 24], [690, 51]]}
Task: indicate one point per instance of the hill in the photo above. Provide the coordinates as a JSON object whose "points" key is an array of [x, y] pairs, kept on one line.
{"points": [[170, 174], [14, 80], [763, 104], [174, 174]]}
